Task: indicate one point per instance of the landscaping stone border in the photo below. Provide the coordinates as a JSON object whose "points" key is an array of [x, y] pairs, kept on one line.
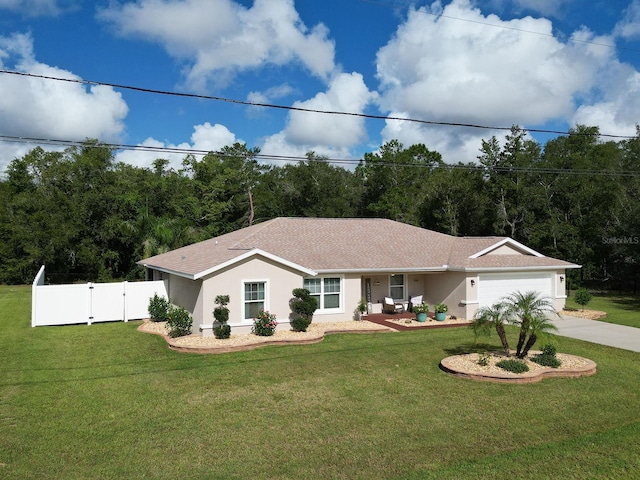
{"points": [[450, 366]]}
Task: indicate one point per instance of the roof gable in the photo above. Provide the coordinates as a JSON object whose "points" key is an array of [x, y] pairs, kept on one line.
{"points": [[506, 246]]}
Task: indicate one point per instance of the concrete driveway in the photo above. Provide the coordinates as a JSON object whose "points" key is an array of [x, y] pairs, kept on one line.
{"points": [[619, 336]]}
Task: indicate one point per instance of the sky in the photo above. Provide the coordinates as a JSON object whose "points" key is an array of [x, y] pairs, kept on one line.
{"points": [[540, 64]]}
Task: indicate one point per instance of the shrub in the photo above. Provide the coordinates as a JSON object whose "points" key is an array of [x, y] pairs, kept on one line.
{"points": [[583, 297], [221, 314], [264, 324], [548, 357], [222, 331], [483, 359], [300, 324], [303, 303], [512, 365], [179, 322], [158, 308]]}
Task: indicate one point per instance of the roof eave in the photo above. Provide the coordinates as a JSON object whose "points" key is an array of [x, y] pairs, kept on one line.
{"points": [[382, 270], [512, 269]]}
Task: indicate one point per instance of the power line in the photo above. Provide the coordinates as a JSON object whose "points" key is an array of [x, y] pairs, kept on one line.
{"points": [[332, 161], [290, 108]]}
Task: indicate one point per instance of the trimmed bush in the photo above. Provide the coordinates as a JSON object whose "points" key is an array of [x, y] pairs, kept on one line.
{"points": [[222, 332], [158, 308], [300, 324], [221, 314], [514, 366], [303, 303], [179, 322]]}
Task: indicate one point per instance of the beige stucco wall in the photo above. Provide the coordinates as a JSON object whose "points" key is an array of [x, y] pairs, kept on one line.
{"points": [[504, 250], [448, 288], [280, 282], [187, 294]]}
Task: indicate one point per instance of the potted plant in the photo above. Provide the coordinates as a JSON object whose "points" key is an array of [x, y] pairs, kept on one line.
{"points": [[441, 311], [421, 310], [362, 307]]}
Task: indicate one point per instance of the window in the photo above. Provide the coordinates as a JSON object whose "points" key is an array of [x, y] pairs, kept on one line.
{"points": [[254, 298], [396, 286], [326, 290]]}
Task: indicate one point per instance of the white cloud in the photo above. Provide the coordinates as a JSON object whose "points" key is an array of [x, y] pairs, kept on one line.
{"points": [[617, 113], [40, 108], [629, 27], [445, 70], [346, 93], [218, 39], [267, 97], [205, 137]]}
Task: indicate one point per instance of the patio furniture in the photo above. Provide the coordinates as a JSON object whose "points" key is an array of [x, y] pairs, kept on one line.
{"points": [[389, 306], [417, 300]]}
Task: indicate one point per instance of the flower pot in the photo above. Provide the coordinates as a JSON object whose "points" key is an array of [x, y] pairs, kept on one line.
{"points": [[421, 317], [441, 316]]}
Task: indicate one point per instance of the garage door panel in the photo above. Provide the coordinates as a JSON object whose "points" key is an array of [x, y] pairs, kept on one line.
{"points": [[492, 287]]}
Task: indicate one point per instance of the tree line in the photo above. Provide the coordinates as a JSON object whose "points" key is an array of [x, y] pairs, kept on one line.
{"points": [[87, 217]]}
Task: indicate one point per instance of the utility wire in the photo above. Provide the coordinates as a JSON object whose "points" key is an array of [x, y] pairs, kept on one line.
{"points": [[290, 108], [332, 161]]}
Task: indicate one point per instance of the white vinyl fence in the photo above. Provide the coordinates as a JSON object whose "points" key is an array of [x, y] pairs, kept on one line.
{"points": [[91, 302]]}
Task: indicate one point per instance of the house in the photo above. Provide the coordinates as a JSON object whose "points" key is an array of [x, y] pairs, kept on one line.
{"points": [[342, 261]]}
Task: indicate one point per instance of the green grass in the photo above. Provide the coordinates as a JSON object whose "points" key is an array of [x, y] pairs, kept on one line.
{"points": [[105, 401], [621, 309]]}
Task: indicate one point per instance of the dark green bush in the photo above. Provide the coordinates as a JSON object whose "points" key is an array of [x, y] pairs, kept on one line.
{"points": [[222, 331], [514, 366], [303, 303], [221, 312], [179, 322], [548, 357], [158, 308], [300, 324]]}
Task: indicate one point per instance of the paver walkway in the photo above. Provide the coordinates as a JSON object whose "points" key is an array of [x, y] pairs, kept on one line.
{"points": [[610, 334]]}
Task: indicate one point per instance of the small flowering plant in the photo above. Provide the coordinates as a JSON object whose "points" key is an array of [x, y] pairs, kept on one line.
{"points": [[264, 324]]}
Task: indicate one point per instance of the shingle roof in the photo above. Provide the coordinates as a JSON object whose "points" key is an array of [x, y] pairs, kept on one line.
{"points": [[352, 244]]}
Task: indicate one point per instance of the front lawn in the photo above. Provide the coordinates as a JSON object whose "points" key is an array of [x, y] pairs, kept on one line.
{"points": [[105, 401], [621, 309]]}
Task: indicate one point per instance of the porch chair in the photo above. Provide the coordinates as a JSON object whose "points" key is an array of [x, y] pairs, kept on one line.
{"points": [[389, 306], [417, 300]]}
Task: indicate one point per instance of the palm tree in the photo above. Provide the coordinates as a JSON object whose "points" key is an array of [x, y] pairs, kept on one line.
{"points": [[525, 307], [494, 316], [538, 326]]}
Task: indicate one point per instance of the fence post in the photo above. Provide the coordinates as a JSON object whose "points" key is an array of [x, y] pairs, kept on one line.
{"points": [[89, 303], [125, 313], [39, 280]]}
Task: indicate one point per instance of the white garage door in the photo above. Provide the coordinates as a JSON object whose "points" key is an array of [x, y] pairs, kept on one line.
{"points": [[493, 286]]}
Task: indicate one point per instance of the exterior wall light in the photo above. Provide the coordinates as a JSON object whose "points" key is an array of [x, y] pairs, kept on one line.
{"points": [[473, 282]]}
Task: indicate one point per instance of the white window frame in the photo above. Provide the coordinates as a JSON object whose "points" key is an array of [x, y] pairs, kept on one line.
{"points": [[244, 302], [321, 310], [404, 286]]}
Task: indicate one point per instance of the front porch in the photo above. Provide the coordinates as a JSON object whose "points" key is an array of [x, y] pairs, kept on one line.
{"points": [[407, 321]]}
